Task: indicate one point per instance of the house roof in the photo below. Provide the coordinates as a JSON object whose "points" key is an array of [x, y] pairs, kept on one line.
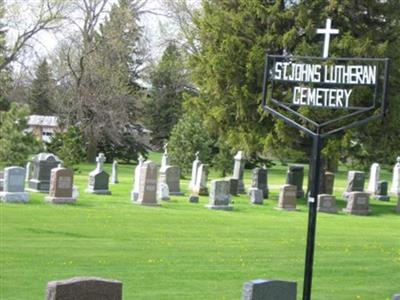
{"points": [[36, 120]]}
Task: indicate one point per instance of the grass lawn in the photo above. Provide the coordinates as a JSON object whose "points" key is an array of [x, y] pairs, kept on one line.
{"points": [[185, 251]]}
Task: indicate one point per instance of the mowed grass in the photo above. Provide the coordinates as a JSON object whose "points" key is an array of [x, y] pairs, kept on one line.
{"points": [[185, 251]]}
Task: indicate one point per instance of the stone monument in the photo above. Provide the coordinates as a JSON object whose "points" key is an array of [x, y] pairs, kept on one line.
{"points": [[295, 176], [114, 173], [396, 178], [196, 163], [256, 195], [327, 203], [42, 165], [259, 180], [84, 288], [163, 192], [381, 192], [328, 183], [219, 195], [61, 186], [358, 203], [171, 175], [238, 170], [1, 181], [261, 289], [135, 191], [165, 157], [355, 183], [200, 186], [148, 184], [98, 178], [288, 197], [14, 185], [28, 169], [233, 186], [373, 178]]}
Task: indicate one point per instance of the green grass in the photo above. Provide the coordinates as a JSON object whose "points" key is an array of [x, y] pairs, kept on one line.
{"points": [[185, 251]]}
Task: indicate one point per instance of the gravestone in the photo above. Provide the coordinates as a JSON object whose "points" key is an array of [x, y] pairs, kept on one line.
{"points": [[288, 197], [381, 192], [84, 288], [28, 169], [61, 186], [355, 183], [327, 203], [373, 178], [98, 178], [196, 163], [219, 195], [114, 173], [295, 176], [259, 180], [238, 170], [148, 184], [163, 192], [398, 205], [256, 196], [396, 297], [194, 198], [165, 157], [396, 178], [1, 181], [200, 187], [261, 289], [358, 203], [42, 165], [233, 186], [328, 183], [14, 185], [170, 175], [135, 191]]}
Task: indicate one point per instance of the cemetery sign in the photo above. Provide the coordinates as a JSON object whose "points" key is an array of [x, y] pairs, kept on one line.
{"points": [[351, 91]]}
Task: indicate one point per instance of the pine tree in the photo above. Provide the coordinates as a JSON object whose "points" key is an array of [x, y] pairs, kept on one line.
{"points": [[16, 143], [168, 83], [40, 100]]}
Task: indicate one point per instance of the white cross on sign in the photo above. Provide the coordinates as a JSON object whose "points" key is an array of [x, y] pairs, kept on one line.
{"points": [[327, 31]]}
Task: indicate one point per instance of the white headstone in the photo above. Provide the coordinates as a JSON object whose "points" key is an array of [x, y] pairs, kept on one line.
{"points": [[163, 192], [14, 185], [135, 192], [396, 178], [100, 162], [165, 157], [114, 173], [373, 178], [238, 170], [196, 163], [200, 186], [28, 171]]}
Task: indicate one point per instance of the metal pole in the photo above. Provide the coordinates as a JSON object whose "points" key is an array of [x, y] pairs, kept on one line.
{"points": [[312, 215]]}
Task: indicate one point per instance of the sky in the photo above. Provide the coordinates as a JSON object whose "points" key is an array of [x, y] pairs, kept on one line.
{"points": [[45, 42]]}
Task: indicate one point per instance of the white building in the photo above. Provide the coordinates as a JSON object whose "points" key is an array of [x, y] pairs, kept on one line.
{"points": [[43, 127]]}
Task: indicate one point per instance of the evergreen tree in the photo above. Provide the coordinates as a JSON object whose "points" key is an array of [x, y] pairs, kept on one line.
{"points": [[168, 83], [40, 100], [5, 73], [16, 143]]}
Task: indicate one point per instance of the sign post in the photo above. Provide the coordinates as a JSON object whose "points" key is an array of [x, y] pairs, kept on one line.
{"points": [[353, 89]]}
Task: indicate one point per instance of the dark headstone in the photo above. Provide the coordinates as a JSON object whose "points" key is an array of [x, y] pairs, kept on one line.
{"points": [[194, 199], [295, 176], [261, 289], [381, 192], [355, 183], [396, 297], [256, 196], [238, 171], [84, 288], [98, 178], [42, 165], [328, 183], [259, 180], [233, 186]]}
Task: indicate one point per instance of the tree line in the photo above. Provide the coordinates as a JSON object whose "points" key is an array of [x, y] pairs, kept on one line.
{"points": [[204, 93]]}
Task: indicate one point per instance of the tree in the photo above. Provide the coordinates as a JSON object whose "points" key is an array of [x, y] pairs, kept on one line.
{"points": [[187, 137], [69, 146], [168, 83], [46, 15], [5, 73], [16, 143], [104, 64], [40, 99]]}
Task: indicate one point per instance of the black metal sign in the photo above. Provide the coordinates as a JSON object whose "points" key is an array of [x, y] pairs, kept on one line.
{"points": [[352, 91]]}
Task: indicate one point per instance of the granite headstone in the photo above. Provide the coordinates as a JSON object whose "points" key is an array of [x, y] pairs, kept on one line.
{"points": [[261, 289], [42, 165], [220, 197], [136, 180], [170, 175], [14, 185], [327, 203], [238, 170], [358, 203], [61, 186], [148, 184], [355, 183], [295, 176], [288, 197], [259, 180], [98, 178]]}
